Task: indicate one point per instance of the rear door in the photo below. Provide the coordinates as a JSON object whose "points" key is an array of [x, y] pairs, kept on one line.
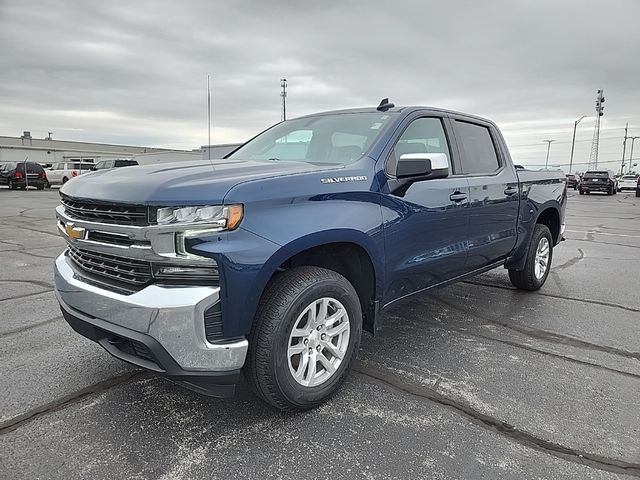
{"points": [[493, 192], [425, 222]]}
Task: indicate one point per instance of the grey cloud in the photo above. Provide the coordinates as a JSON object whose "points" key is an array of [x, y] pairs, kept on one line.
{"points": [[531, 67]]}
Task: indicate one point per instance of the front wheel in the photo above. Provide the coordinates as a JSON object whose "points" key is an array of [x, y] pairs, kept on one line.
{"points": [[581, 192], [538, 264], [304, 338]]}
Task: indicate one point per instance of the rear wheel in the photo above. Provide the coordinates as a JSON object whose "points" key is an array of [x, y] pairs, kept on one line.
{"points": [[64, 180], [12, 185], [538, 264], [581, 192], [304, 338]]}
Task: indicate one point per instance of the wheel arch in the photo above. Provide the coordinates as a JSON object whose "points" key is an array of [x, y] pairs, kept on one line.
{"points": [[350, 253], [547, 214]]}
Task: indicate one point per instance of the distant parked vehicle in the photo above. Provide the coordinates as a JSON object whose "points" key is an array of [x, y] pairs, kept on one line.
{"points": [[105, 164], [13, 175], [61, 173], [627, 182], [598, 181], [572, 181]]}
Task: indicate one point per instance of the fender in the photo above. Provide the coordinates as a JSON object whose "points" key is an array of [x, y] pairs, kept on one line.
{"points": [[318, 239]]}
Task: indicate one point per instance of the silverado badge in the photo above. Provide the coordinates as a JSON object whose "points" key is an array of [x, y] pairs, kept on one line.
{"points": [[359, 178]]}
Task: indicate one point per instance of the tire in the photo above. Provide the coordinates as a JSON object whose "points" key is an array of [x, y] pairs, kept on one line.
{"points": [[12, 185], [285, 304], [64, 180], [527, 279], [637, 193], [40, 187], [581, 192], [610, 191]]}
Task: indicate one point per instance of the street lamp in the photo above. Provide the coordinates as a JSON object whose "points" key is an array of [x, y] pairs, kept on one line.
{"points": [[633, 139], [573, 142], [546, 164]]}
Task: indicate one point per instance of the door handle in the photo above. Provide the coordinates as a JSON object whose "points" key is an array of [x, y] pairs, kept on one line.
{"points": [[510, 191], [457, 197]]}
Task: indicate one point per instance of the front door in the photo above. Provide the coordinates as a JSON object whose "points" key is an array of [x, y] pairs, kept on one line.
{"points": [[425, 222]]}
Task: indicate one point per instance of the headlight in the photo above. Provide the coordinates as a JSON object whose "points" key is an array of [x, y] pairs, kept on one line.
{"points": [[224, 217]]}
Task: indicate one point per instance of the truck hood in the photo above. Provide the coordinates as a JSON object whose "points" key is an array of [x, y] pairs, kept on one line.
{"points": [[181, 183]]}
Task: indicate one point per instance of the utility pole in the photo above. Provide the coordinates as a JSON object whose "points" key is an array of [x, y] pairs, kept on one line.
{"points": [[624, 147], [573, 142], [26, 173], [633, 139], [209, 117], [546, 164], [283, 94], [595, 144]]}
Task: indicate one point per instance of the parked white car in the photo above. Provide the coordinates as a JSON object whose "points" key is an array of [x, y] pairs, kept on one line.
{"points": [[627, 182], [114, 163], [60, 173]]}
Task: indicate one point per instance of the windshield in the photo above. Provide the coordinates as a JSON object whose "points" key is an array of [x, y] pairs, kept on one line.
{"points": [[628, 177], [596, 174], [337, 139]]}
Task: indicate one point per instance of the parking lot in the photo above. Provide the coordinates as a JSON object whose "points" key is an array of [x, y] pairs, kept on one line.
{"points": [[476, 380]]}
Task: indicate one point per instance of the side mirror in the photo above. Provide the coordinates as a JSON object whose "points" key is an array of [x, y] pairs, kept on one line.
{"points": [[422, 166]]}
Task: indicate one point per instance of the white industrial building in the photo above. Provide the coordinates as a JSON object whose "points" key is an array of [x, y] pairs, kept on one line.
{"points": [[48, 151]]}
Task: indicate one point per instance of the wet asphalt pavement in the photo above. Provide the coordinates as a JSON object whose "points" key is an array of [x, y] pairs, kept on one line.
{"points": [[473, 381]]}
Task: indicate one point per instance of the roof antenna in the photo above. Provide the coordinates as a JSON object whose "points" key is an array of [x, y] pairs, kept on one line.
{"points": [[385, 105]]}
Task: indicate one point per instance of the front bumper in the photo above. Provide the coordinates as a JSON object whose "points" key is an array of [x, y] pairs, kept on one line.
{"points": [[159, 328]]}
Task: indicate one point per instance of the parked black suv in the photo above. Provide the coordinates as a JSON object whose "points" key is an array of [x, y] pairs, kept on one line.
{"points": [[598, 181], [12, 174]]}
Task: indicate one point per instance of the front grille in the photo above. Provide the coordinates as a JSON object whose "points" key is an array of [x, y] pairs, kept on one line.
{"points": [[103, 212], [110, 238], [127, 271]]}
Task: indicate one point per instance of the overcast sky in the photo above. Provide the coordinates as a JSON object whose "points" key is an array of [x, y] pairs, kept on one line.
{"points": [[134, 72]]}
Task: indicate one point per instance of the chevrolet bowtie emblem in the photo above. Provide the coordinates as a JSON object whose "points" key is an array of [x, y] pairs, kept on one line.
{"points": [[74, 232]]}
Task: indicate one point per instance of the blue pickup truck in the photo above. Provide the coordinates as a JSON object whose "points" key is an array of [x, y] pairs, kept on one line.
{"points": [[272, 261]]}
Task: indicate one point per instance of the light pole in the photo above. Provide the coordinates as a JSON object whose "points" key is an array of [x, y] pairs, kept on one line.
{"points": [[624, 148], [573, 142], [283, 94], [546, 164], [633, 139]]}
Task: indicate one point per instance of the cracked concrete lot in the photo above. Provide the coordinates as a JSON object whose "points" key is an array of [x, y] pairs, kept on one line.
{"points": [[473, 381]]}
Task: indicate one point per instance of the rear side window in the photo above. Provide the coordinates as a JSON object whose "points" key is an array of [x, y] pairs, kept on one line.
{"points": [[479, 152]]}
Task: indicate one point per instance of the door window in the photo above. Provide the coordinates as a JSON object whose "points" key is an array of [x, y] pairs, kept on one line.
{"points": [[479, 153], [423, 135]]}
